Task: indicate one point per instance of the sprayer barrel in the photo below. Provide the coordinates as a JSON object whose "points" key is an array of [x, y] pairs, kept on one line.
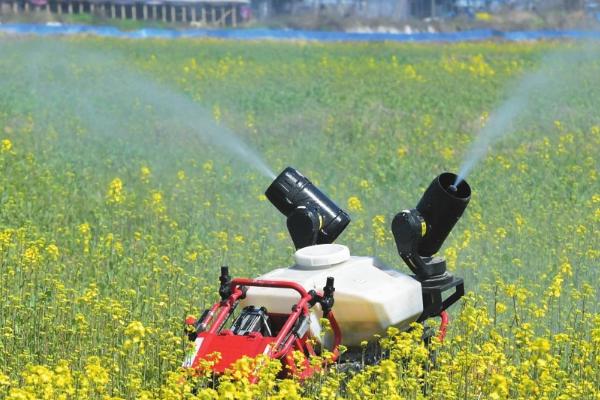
{"points": [[441, 206]]}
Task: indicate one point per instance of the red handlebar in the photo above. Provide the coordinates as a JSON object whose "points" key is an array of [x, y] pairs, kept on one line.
{"points": [[269, 283]]}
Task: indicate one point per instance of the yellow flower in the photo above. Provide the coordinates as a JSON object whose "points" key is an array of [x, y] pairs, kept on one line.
{"points": [[451, 256], [135, 333], [85, 231], [520, 221], [500, 384], [447, 153], [380, 229], [96, 374], [145, 174], [4, 380], [500, 308], [191, 256], [479, 67], [558, 124], [238, 239], [401, 151], [500, 233], [6, 146], [115, 192], [411, 73], [379, 220], [354, 204], [135, 329], [119, 249], [554, 289], [32, 255], [52, 250], [157, 203], [540, 345], [566, 268]]}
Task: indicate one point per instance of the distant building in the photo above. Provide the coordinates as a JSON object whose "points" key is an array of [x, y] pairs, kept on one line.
{"points": [[195, 12], [389, 9], [431, 8]]}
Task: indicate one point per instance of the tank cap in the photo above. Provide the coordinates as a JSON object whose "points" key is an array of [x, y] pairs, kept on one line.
{"points": [[321, 255]]}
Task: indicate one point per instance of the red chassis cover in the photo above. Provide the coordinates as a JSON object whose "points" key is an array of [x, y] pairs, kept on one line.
{"points": [[229, 347]]}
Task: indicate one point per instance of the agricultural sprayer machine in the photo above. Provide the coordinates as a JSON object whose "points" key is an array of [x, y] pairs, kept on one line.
{"points": [[282, 312]]}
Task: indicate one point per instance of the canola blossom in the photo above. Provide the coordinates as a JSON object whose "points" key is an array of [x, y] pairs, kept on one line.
{"points": [[115, 216]]}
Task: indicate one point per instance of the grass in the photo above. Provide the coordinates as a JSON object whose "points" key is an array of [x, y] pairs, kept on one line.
{"points": [[116, 212]]}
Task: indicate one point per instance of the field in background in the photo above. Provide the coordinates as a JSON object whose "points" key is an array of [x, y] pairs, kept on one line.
{"points": [[116, 213]]}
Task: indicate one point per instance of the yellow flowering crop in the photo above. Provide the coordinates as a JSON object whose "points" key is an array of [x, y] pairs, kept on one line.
{"points": [[6, 145], [121, 195], [354, 204], [115, 191]]}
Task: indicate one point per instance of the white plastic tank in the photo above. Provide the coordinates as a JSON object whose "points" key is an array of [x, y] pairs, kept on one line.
{"points": [[369, 296]]}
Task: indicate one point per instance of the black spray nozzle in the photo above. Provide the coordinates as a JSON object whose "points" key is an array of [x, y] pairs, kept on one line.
{"points": [[312, 217], [441, 206], [420, 232]]}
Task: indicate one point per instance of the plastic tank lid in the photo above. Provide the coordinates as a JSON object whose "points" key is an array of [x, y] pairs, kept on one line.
{"points": [[321, 255]]}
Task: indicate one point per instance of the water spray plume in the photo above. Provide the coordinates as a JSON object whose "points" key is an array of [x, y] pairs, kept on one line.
{"points": [[549, 84], [114, 101], [499, 124]]}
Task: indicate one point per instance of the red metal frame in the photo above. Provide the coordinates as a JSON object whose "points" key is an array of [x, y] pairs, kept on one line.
{"points": [[282, 346], [443, 325]]}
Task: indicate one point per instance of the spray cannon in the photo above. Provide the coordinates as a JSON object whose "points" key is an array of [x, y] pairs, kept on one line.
{"points": [[282, 310], [420, 232], [312, 218]]}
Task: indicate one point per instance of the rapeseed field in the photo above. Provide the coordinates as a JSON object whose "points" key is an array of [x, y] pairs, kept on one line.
{"points": [[123, 190]]}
